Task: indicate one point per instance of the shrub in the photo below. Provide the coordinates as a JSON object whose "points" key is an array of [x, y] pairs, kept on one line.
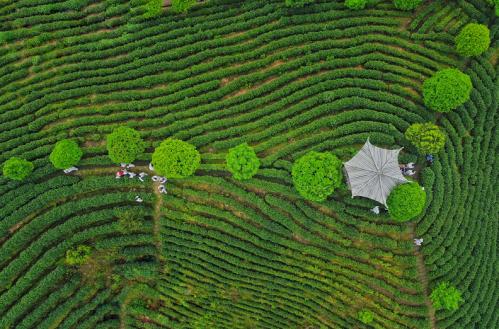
{"points": [[17, 168], [298, 3], [366, 316], [407, 4], [446, 296], [316, 175], [427, 137], [78, 256], [153, 8], [406, 201], [128, 221], [65, 154], [473, 40], [182, 6], [242, 161], [446, 90], [124, 144], [174, 158], [356, 4]]}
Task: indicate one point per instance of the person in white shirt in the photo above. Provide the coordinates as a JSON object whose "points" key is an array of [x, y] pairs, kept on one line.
{"points": [[70, 169], [418, 242], [138, 198], [375, 210]]}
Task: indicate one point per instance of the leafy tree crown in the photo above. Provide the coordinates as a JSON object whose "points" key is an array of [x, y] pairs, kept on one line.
{"points": [[473, 40], [124, 144], [17, 168], [65, 154], [174, 158], [406, 201], [446, 296], [242, 161], [446, 90]]}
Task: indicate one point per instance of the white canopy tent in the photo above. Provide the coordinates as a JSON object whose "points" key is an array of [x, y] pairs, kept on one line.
{"points": [[373, 172]]}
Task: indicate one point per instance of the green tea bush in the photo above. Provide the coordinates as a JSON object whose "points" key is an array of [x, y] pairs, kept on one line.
{"points": [[182, 6], [446, 296], [427, 137], [473, 40], [446, 90], [316, 175], [298, 3], [407, 4], [78, 256], [66, 153], [124, 145], [17, 169], [365, 316], [406, 201], [174, 158], [356, 4], [242, 161], [153, 8]]}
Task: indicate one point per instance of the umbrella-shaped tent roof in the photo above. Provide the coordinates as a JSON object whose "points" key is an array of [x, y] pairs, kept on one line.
{"points": [[373, 172]]}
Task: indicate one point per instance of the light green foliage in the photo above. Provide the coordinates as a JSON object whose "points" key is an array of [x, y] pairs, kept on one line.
{"points": [[182, 6], [446, 90], [128, 220], [153, 8], [298, 3], [365, 316], [473, 40], [65, 154], [17, 169], [427, 137], [406, 201], [78, 256], [407, 4], [356, 4], [242, 161], [174, 158], [124, 145], [316, 175], [446, 296]]}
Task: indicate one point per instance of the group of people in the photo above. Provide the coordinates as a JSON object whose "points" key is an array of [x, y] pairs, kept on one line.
{"points": [[125, 172], [408, 169]]}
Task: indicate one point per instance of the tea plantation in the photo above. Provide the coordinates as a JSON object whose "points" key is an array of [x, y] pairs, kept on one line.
{"points": [[224, 98]]}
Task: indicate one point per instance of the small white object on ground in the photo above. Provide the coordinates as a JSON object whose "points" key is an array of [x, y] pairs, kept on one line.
{"points": [[162, 189], [131, 174], [138, 198], [162, 180], [142, 174], [375, 210], [70, 169], [151, 168], [155, 178], [410, 172], [410, 165], [130, 165], [418, 242]]}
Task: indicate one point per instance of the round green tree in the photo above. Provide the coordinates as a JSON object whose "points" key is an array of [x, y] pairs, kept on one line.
{"points": [[242, 161], [316, 175], [66, 153], [78, 256], [446, 90], [473, 40], [182, 6], [174, 158], [356, 4], [427, 137], [407, 4], [17, 168], [406, 201], [366, 316], [124, 144], [446, 296]]}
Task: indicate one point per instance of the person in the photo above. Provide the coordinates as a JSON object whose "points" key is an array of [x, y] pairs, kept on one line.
{"points": [[429, 158], [410, 172], [138, 198], [130, 165], [162, 180], [155, 178], [375, 210], [131, 174], [410, 165], [121, 173], [403, 169], [151, 168], [162, 189], [141, 176], [70, 169], [418, 242]]}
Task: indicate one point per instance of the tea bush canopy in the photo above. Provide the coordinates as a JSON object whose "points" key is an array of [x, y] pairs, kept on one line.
{"points": [[473, 40], [78, 256], [373, 172], [124, 145], [174, 158], [242, 161], [316, 175], [366, 316], [407, 4], [356, 4], [66, 153], [298, 3], [446, 90], [406, 201], [182, 6], [17, 169], [427, 137], [446, 296]]}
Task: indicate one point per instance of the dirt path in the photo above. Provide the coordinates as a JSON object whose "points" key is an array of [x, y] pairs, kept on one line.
{"points": [[423, 277], [157, 225]]}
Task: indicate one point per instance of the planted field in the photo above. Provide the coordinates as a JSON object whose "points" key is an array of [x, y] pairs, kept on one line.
{"points": [[218, 252]]}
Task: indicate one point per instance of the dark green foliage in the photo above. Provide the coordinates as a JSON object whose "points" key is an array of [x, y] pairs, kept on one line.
{"points": [[174, 158], [446, 90], [66, 153], [78, 256], [242, 161], [124, 145], [446, 296], [17, 168], [182, 6], [473, 40], [427, 137], [316, 175], [365, 316], [406, 201], [298, 3], [356, 4], [153, 8], [407, 4]]}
